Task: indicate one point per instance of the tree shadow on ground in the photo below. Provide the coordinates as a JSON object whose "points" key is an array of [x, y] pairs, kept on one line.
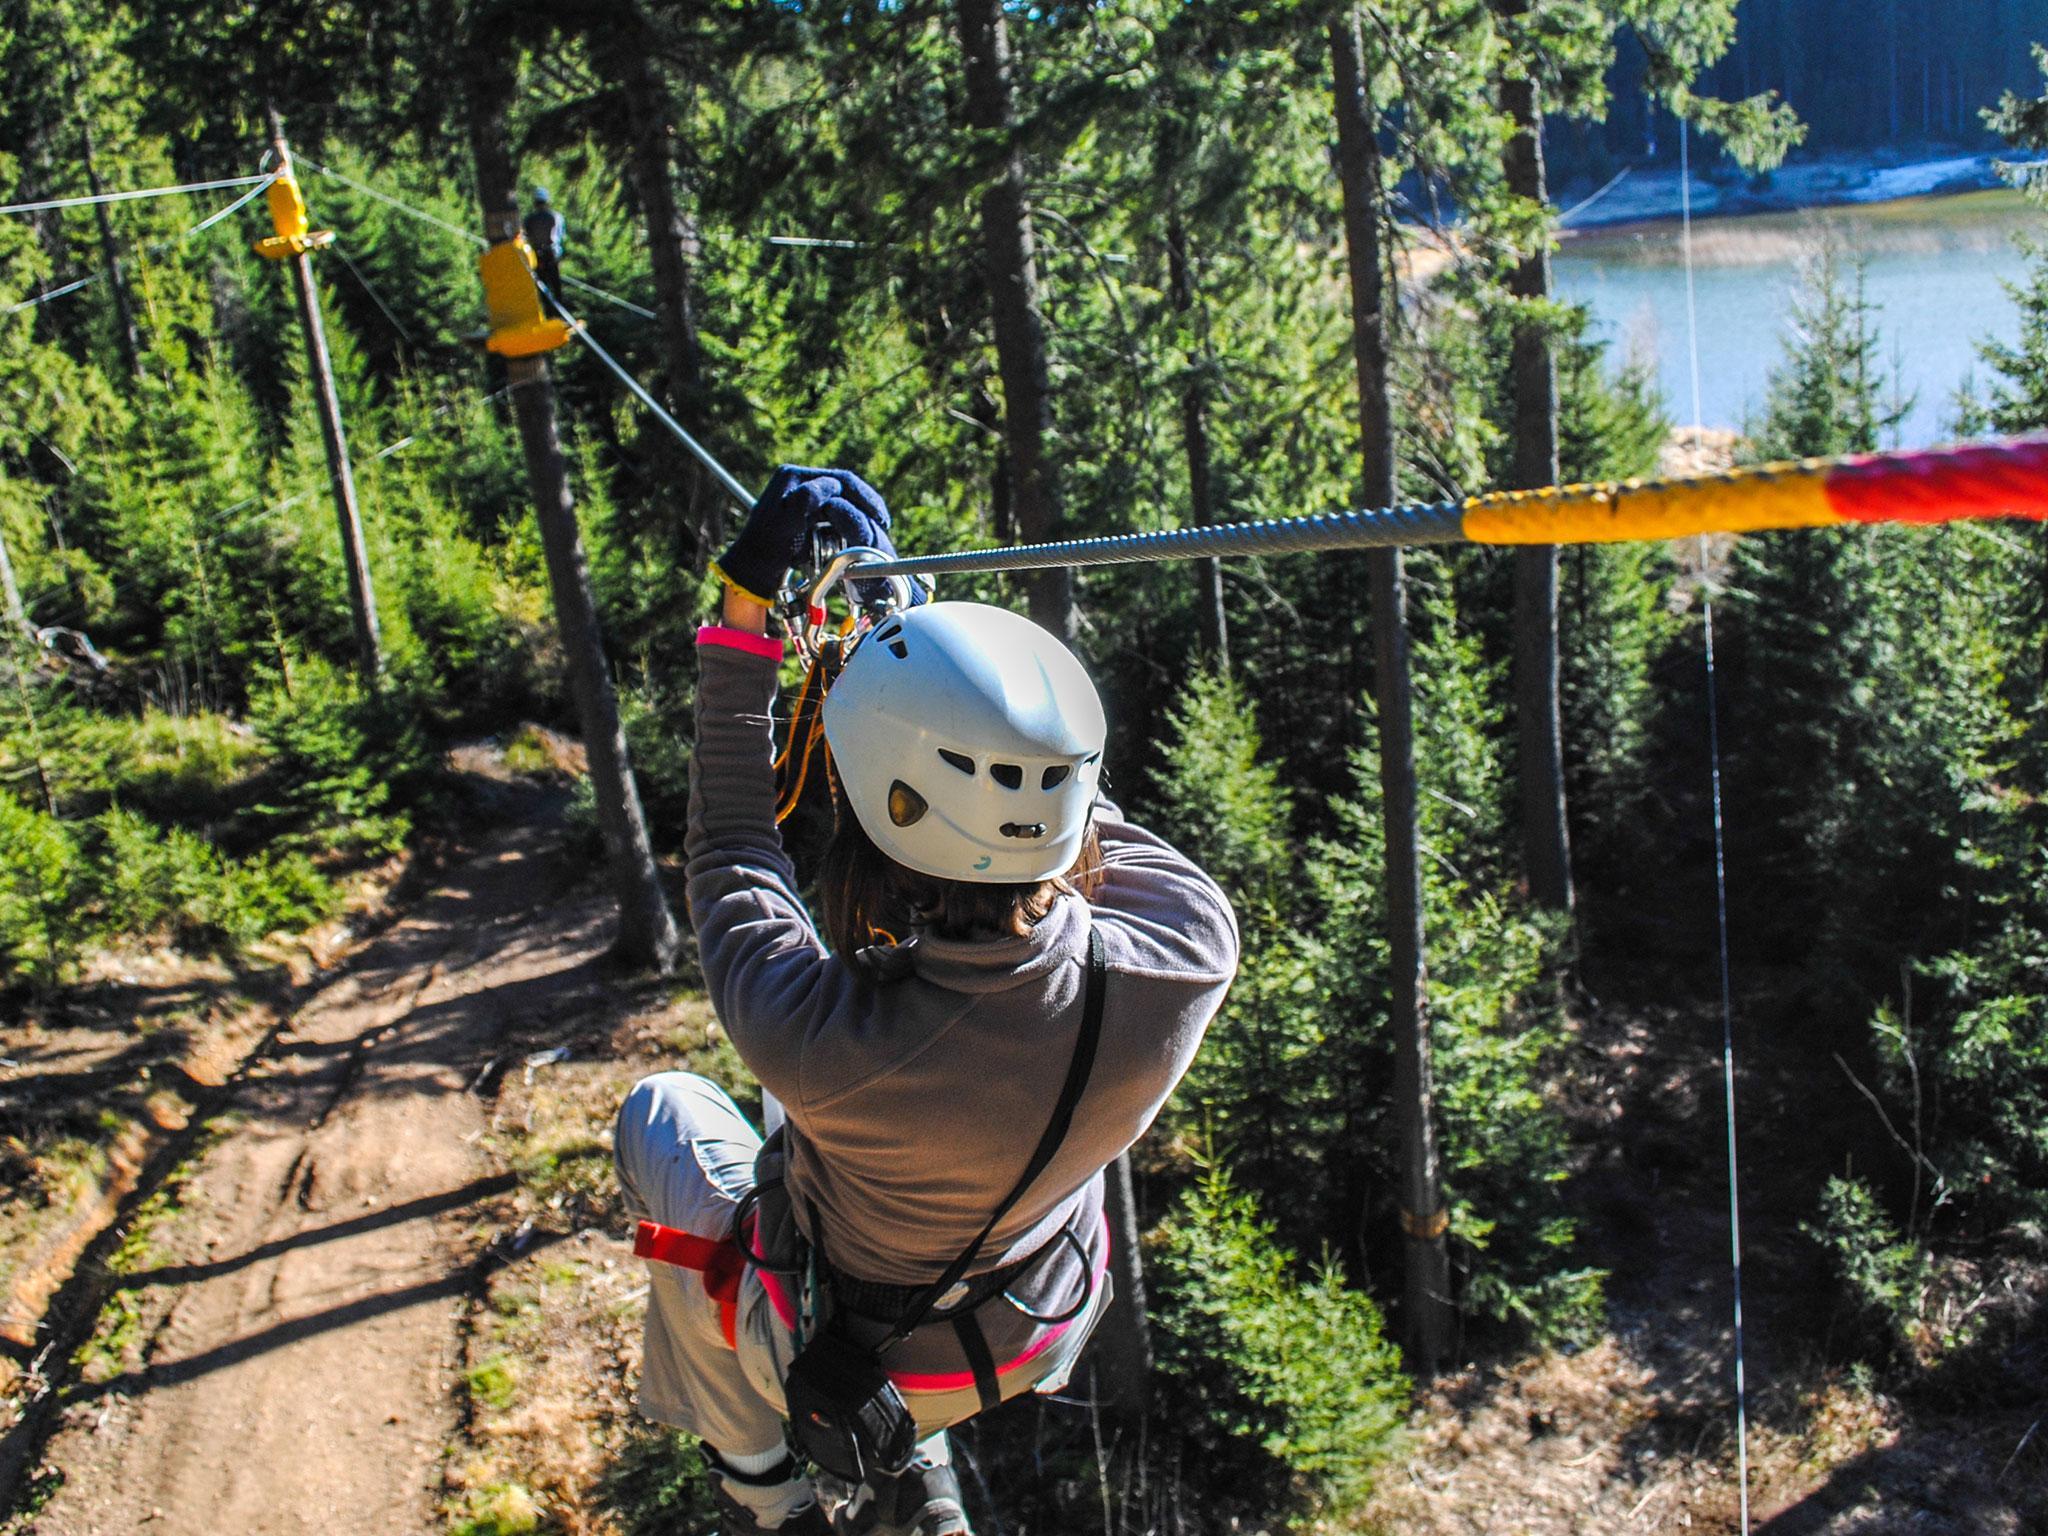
{"points": [[472, 1193], [458, 1281], [1972, 1457]]}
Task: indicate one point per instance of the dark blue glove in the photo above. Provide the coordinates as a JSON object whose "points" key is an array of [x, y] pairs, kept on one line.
{"points": [[778, 530]]}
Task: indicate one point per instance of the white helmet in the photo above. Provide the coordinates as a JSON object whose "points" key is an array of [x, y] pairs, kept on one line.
{"points": [[969, 742]]}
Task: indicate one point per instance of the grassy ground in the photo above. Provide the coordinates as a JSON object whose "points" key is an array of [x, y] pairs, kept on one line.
{"points": [[551, 1441]]}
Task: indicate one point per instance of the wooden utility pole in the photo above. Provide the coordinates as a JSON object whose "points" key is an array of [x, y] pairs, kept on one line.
{"points": [[647, 929], [1012, 255], [1532, 367], [362, 600], [1428, 1317]]}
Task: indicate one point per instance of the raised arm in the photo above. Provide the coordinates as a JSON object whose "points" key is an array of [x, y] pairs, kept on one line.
{"points": [[768, 973], [764, 966]]}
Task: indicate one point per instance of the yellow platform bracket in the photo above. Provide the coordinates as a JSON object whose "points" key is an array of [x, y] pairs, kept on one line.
{"points": [[288, 217], [518, 328]]}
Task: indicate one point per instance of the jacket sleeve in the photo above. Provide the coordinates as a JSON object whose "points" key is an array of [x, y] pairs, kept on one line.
{"points": [[1180, 923], [768, 973]]}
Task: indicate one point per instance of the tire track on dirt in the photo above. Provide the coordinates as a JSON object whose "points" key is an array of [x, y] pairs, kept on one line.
{"points": [[301, 1304]]}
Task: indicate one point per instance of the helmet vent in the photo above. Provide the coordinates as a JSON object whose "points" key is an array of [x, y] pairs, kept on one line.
{"points": [[906, 805], [892, 638], [1009, 775], [1053, 778], [958, 760], [1035, 829]]}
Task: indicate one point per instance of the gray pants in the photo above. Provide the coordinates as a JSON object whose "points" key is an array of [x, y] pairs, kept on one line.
{"points": [[685, 1157]]}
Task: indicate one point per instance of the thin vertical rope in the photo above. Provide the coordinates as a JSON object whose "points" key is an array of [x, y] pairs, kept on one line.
{"points": [[1692, 330], [1692, 306]]}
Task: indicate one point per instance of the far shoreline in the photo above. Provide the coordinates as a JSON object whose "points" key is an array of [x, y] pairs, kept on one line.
{"points": [[1651, 196]]}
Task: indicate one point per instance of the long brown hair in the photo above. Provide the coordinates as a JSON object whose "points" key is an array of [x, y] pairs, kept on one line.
{"points": [[868, 898]]}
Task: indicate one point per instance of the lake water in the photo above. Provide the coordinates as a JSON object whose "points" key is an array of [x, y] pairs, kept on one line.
{"points": [[1934, 271]]}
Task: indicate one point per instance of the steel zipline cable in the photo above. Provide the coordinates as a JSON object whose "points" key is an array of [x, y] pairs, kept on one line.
{"points": [[261, 184], [470, 235], [264, 177], [1740, 1360], [742, 497], [1982, 480]]}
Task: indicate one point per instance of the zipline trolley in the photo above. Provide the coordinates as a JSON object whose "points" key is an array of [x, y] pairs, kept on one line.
{"points": [[293, 235], [518, 328]]}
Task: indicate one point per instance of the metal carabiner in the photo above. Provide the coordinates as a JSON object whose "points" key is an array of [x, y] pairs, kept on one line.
{"points": [[804, 607]]}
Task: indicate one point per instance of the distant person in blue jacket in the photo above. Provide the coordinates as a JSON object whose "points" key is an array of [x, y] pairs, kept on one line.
{"points": [[544, 230]]}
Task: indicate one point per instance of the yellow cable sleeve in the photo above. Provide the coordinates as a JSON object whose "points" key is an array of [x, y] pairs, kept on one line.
{"points": [[1741, 501]]}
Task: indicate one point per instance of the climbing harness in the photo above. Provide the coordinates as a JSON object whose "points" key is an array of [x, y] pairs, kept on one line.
{"points": [[720, 1261], [845, 1412]]}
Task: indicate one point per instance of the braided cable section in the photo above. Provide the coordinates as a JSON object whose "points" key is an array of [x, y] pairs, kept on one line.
{"points": [[1438, 523]]}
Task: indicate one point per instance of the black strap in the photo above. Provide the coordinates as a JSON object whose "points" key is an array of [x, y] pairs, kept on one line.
{"points": [[1062, 1117], [980, 1360]]}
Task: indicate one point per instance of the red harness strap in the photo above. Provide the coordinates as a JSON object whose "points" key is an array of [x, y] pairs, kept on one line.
{"points": [[718, 1260]]}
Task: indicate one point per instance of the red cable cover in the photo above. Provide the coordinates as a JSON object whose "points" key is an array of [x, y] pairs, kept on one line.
{"points": [[1983, 480]]}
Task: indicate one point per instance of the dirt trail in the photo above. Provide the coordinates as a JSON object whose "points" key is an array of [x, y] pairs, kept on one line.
{"points": [[296, 1317]]}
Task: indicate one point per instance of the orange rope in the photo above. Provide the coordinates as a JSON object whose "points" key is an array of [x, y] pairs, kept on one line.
{"points": [[807, 723]]}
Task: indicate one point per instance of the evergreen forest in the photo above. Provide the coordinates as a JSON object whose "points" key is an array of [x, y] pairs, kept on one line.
{"points": [[1444, 1203]]}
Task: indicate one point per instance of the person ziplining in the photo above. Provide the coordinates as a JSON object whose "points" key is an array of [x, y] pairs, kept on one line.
{"points": [[1008, 981]]}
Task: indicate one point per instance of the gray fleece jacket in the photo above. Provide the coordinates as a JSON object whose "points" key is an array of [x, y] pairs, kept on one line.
{"points": [[916, 1099]]}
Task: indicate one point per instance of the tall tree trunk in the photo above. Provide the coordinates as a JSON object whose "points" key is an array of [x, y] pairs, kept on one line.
{"points": [[1539, 729], [1012, 258], [117, 280], [1123, 1340], [673, 248], [1427, 1313], [647, 929], [1194, 422], [11, 610], [125, 334]]}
